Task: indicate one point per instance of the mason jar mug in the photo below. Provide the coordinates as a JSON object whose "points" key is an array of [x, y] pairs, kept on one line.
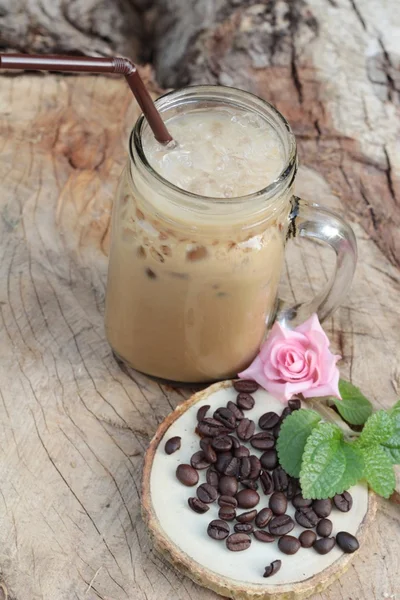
{"points": [[193, 280]]}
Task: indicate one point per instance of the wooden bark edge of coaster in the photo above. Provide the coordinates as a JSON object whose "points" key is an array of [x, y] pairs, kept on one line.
{"points": [[203, 576]]}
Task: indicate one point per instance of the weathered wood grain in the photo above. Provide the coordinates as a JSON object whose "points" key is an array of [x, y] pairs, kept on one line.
{"points": [[74, 425]]}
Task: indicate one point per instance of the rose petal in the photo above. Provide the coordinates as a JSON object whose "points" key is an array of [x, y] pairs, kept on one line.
{"points": [[255, 372], [312, 325], [284, 391], [280, 334], [328, 389]]}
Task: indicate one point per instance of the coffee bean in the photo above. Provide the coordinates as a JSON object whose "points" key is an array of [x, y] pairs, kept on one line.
{"points": [[231, 468], [276, 430], [206, 493], [292, 488], [249, 483], [343, 502], [255, 467], [306, 517], [226, 417], [280, 479], [263, 517], [286, 412], [235, 442], [263, 536], [209, 453], [324, 528], [299, 502], [227, 513], [245, 385], [278, 503], [212, 476], [247, 516], [322, 508], [347, 542], [211, 427], [263, 441], [269, 459], [198, 506], [294, 404], [273, 568], [244, 528], [203, 410], [241, 452], [187, 475], [281, 525], [247, 498], [267, 483], [199, 461], [205, 441], [244, 467], [172, 445], [228, 486], [227, 501], [223, 460], [222, 444], [268, 420], [224, 455], [238, 542], [235, 410], [218, 530], [288, 544], [324, 545], [245, 401], [245, 429], [307, 538]]}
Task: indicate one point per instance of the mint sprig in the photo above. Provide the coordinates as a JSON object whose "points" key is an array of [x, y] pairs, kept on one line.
{"points": [[392, 445], [329, 457], [378, 429], [354, 407], [293, 435], [323, 463], [354, 470], [379, 471]]}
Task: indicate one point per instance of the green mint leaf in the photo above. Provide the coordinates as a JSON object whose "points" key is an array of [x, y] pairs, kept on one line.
{"points": [[324, 462], [354, 407], [392, 445], [379, 470], [354, 470], [292, 438], [377, 430], [395, 409]]}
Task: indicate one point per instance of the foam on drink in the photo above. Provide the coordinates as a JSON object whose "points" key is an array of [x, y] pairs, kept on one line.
{"points": [[220, 152]]}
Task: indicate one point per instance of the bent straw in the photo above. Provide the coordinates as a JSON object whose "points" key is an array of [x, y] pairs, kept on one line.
{"points": [[88, 64]]}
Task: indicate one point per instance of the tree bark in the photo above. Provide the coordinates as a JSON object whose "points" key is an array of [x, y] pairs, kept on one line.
{"points": [[93, 27]]}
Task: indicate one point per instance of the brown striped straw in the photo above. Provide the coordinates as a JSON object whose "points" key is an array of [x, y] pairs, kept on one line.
{"points": [[88, 64]]}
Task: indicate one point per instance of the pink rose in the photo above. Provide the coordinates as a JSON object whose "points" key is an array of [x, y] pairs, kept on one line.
{"points": [[293, 361]]}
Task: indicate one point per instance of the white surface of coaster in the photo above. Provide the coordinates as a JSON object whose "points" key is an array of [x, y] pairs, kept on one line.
{"points": [[187, 530]]}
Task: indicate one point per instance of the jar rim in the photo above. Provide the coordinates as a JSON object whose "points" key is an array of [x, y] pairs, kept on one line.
{"points": [[227, 95]]}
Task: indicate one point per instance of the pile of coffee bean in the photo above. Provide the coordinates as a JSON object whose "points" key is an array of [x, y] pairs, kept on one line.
{"points": [[235, 478]]}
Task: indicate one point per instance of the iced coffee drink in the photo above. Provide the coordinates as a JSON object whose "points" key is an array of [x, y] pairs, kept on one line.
{"points": [[194, 266]]}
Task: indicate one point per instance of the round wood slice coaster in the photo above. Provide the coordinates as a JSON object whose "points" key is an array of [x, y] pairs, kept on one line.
{"points": [[180, 534]]}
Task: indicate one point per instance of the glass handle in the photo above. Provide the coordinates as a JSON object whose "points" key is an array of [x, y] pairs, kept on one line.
{"points": [[315, 222]]}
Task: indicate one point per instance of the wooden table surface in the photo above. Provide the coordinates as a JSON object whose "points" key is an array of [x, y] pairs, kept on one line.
{"points": [[74, 424]]}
